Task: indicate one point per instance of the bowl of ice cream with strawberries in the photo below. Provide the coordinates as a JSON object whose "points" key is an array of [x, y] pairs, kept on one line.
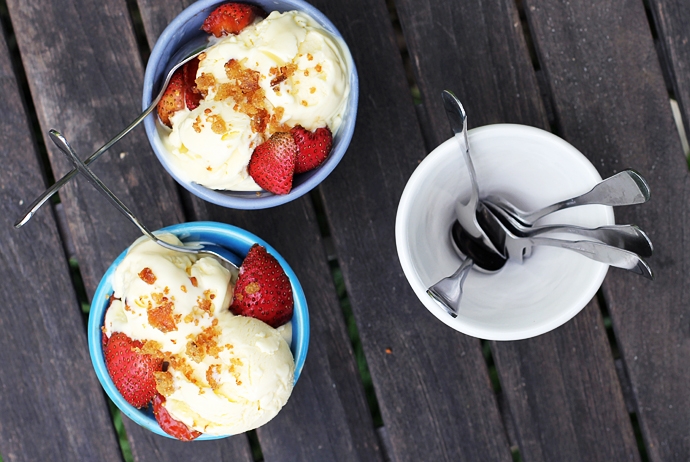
{"points": [[191, 348], [267, 110]]}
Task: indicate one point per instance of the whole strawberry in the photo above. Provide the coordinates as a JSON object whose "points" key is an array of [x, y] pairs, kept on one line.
{"points": [[272, 164], [229, 18], [170, 425], [263, 290], [312, 147], [132, 372]]}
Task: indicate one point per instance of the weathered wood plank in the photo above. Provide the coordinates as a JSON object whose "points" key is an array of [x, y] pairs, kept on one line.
{"points": [[51, 405], [327, 417], [85, 75], [564, 394], [302, 431], [431, 382], [611, 102], [672, 18], [478, 50]]}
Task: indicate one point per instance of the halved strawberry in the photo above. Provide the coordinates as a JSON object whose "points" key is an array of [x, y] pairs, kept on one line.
{"points": [[272, 164], [173, 98], [312, 147], [170, 425], [192, 96], [229, 18], [263, 290], [181, 92], [132, 371]]}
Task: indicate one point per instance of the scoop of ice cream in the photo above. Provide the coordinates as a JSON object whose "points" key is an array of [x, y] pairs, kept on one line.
{"points": [[243, 387], [224, 374], [302, 75]]}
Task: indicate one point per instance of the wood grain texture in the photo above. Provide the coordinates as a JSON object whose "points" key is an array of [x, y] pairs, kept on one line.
{"points": [[156, 15], [479, 48], [85, 75], [611, 102], [327, 417], [671, 18], [431, 382], [564, 394], [51, 404]]}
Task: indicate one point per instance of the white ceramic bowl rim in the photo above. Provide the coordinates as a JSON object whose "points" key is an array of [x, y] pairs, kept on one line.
{"points": [[238, 241], [186, 25], [416, 198]]}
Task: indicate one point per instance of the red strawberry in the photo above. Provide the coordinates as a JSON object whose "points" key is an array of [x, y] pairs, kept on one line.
{"points": [[170, 425], [173, 98], [263, 289], [192, 97], [229, 18], [132, 371], [181, 92], [312, 147], [273, 163]]}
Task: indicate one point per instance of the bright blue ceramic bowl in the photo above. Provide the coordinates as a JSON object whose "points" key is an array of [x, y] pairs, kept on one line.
{"points": [[184, 29], [238, 241]]}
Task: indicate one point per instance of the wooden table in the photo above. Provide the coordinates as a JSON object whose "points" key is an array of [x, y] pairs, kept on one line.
{"points": [[611, 384]]}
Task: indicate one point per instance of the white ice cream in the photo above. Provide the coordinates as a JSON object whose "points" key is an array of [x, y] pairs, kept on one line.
{"points": [[313, 94], [227, 374]]}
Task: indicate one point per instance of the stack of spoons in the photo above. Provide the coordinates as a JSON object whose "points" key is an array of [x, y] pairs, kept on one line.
{"points": [[489, 231]]}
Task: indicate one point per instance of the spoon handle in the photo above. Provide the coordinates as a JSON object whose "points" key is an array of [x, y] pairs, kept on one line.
{"points": [[81, 167], [600, 252], [624, 188], [48, 193]]}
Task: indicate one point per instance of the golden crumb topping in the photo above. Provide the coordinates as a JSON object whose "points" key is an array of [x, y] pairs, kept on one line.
{"points": [[204, 344], [161, 316], [147, 275], [164, 383]]}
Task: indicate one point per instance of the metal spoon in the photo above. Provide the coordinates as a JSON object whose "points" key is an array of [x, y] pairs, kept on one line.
{"points": [[181, 57], [466, 213], [200, 248], [624, 188], [515, 246], [448, 291], [628, 237]]}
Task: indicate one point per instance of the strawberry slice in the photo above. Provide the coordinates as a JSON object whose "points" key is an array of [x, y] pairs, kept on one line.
{"points": [[272, 164], [263, 290], [132, 371], [173, 98], [229, 18], [192, 96], [181, 92], [312, 147], [170, 425]]}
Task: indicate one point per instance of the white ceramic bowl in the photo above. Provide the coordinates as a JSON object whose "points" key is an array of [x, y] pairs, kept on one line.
{"points": [[186, 28], [532, 168]]}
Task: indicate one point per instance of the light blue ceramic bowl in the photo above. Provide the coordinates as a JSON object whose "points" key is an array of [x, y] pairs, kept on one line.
{"points": [[184, 29], [238, 241]]}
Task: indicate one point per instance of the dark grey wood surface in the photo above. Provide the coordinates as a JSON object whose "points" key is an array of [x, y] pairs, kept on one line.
{"points": [[587, 70]]}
